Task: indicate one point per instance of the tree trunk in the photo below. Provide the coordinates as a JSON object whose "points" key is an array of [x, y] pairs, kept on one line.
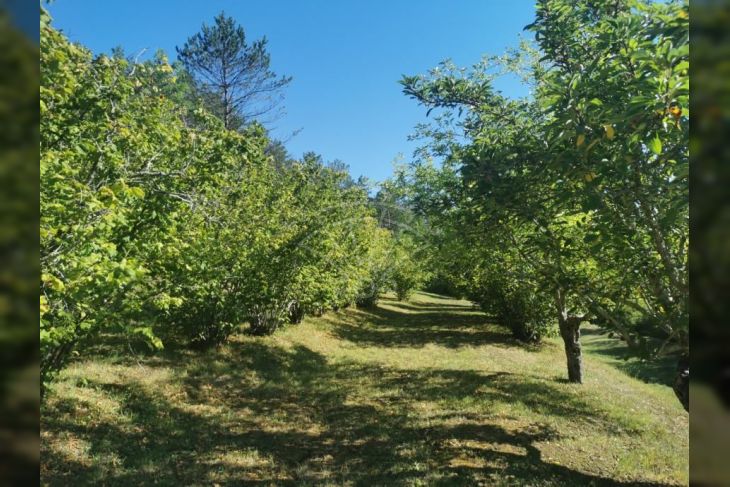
{"points": [[570, 332], [681, 382]]}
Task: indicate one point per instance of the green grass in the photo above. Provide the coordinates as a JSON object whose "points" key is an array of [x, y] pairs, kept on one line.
{"points": [[418, 393]]}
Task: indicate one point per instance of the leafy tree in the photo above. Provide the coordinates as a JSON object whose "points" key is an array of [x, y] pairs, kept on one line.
{"points": [[280, 155], [110, 156], [378, 265], [238, 73], [408, 273], [616, 87], [585, 182], [158, 222]]}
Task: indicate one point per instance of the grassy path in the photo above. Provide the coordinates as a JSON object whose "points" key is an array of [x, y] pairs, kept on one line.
{"points": [[417, 393]]}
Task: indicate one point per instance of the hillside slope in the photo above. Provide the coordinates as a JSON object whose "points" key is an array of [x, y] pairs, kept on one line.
{"points": [[423, 392]]}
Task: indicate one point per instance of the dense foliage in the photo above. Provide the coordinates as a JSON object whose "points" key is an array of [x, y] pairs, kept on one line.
{"points": [[577, 195], [168, 213], [159, 222]]}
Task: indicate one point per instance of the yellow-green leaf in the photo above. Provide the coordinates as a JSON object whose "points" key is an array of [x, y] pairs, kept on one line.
{"points": [[610, 132], [53, 282], [656, 145]]}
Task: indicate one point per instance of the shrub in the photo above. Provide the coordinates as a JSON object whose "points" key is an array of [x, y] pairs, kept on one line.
{"points": [[265, 320], [407, 273], [518, 305], [155, 218]]}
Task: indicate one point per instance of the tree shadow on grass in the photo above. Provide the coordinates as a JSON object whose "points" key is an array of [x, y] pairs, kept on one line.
{"points": [[383, 327], [266, 415], [657, 371]]}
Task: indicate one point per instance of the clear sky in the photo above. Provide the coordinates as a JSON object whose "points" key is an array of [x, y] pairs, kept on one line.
{"points": [[346, 57]]}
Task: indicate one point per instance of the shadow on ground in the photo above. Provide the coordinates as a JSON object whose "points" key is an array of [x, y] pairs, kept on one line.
{"points": [[263, 414], [418, 324], [657, 371]]}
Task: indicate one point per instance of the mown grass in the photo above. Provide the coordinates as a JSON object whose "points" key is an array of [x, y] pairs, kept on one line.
{"points": [[419, 393]]}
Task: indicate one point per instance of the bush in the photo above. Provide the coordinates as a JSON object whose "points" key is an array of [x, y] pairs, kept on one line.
{"points": [[519, 306], [211, 334], [266, 320], [369, 294], [407, 272], [378, 267], [153, 213]]}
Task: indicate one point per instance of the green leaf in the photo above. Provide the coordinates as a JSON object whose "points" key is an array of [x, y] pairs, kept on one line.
{"points": [[596, 102], [53, 282], [656, 145], [149, 336]]}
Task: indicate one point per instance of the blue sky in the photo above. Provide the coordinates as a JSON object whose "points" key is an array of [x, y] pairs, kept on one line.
{"points": [[346, 57]]}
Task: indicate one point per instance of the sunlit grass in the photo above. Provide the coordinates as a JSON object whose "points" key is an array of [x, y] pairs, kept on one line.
{"points": [[419, 393]]}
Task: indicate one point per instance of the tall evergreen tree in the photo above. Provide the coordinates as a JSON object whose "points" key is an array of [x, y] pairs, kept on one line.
{"points": [[239, 74]]}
